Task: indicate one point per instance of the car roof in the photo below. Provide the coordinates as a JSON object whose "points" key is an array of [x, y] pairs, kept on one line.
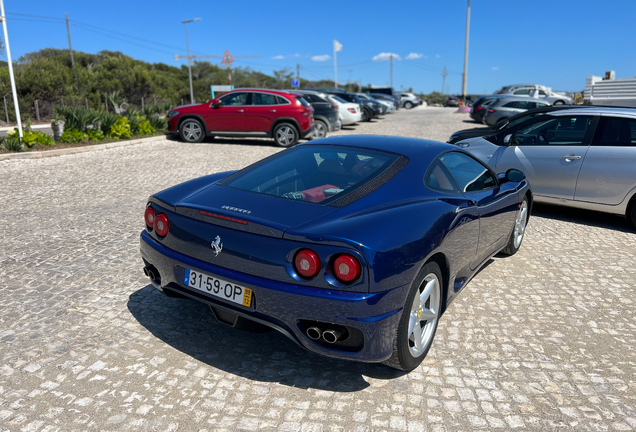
{"points": [[409, 147], [521, 98], [276, 92], [597, 110]]}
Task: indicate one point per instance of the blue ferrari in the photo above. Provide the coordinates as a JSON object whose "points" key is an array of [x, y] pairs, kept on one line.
{"points": [[351, 246]]}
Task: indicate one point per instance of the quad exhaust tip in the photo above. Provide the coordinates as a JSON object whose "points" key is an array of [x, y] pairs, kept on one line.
{"points": [[314, 333], [331, 336], [152, 273]]}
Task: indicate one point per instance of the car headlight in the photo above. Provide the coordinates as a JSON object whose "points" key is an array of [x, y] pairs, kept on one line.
{"points": [[173, 113]]}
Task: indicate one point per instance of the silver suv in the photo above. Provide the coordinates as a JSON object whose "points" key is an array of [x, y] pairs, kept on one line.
{"points": [[409, 100], [578, 157], [503, 107], [540, 92]]}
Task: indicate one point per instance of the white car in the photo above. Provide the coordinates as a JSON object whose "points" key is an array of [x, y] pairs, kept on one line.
{"points": [[349, 113]]}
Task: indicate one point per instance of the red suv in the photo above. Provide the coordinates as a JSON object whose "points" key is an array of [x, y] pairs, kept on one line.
{"points": [[245, 113]]}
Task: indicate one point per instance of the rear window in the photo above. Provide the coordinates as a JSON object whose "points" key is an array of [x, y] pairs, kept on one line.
{"points": [[318, 174], [339, 99]]}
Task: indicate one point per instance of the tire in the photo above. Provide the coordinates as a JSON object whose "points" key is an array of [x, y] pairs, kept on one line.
{"points": [[407, 355], [285, 135], [191, 131], [408, 105], [320, 129], [631, 212], [559, 102], [518, 230], [366, 115]]}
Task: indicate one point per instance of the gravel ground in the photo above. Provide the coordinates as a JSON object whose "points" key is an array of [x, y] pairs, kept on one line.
{"points": [[538, 341]]}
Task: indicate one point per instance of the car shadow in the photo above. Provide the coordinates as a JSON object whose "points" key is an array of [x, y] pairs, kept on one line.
{"points": [[583, 217], [473, 122], [190, 327]]}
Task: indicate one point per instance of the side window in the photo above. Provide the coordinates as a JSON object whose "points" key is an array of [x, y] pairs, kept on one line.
{"points": [[438, 179], [525, 91], [263, 99], [562, 130], [282, 100], [615, 131], [512, 105], [234, 99], [542, 93], [470, 175]]}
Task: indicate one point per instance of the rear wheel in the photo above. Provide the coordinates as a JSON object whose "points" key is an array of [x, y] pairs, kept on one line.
{"points": [[366, 115], [408, 105], [191, 130], [518, 231], [285, 135], [559, 102], [418, 323], [320, 129]]}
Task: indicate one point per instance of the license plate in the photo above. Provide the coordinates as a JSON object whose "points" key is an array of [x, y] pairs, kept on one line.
{"points": [[217, 287]]}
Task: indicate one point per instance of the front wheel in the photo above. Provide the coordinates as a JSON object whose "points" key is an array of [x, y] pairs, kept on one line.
{"points": [[631, 214], [285, 135], [518, 231], [365, 115], [559, 102], [418, 323], [191, 130]]}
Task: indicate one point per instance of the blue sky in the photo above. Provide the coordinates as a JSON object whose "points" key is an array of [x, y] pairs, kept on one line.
{"points": [[556, 43]]}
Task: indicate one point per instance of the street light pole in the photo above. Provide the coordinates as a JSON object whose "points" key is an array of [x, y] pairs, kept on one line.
{"points": [[189, 57], [466, 53], [10, 65]]}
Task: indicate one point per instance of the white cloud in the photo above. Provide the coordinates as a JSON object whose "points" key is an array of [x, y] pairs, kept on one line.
{"points": [[495, 68], [437, 56], [413, 56], [324, 57], [386, 56], [278, 57]]}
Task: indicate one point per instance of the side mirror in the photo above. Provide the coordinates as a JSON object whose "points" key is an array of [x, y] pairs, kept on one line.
{"points": [[217, 103], [507, 139], [513, 175]]}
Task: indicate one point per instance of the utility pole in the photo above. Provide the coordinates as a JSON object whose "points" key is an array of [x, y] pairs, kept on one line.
{"points": [[68, 32], [189, 58], [10, 65], [466, 53], [337, 46], [444, 75], [391, 70], [298, 72]]}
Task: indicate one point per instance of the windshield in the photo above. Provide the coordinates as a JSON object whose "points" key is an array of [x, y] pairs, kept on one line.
{"points": [[337, 99], [316, 174]]}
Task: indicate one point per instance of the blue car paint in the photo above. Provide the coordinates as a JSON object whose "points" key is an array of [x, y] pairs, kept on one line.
{"points": [[394, 230]]}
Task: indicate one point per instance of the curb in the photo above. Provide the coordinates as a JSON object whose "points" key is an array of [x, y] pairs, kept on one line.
{"points": [[75, 150]]}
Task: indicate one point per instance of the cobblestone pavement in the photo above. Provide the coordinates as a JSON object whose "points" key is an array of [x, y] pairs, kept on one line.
{"points": [[541, 340]]}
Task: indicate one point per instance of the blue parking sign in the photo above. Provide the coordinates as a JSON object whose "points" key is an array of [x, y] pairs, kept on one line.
{"points": [[295, 82]]}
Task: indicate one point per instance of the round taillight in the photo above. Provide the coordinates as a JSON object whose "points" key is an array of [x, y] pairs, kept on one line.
{"points": [[346, 268], [307, 263], [149, 217], [161, 225]]}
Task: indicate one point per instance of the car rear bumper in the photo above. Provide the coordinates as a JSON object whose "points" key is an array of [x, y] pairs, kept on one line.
{"points": [[282, 305]]}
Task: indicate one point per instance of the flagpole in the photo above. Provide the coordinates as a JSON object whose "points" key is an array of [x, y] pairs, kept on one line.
{"points": [[335, 65], [10, 65]]}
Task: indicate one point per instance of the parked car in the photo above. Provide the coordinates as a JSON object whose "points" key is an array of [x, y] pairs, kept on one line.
{"points": [[375, 107], [292, 242], [502, 108], [409, 100], [245, 113], [393, 99], [540, 92], [381, 90], [578, 157], [452, 101], [390, 107], [478, 108], [326, 117], [504, 124], [348, 112], [367, 111], [513, 87]]}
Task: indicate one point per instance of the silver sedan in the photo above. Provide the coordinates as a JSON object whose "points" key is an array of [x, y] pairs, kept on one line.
{"points": [[579, 157]]}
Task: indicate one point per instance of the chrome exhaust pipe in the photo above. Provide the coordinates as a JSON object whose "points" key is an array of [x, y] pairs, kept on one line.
{"points": [[331, 336], [313, 333], [153, 274], [146, 271]]}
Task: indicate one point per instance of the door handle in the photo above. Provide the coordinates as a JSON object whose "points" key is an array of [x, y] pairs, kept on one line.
{"points": [[272, 110], [570, 157], [239, 110]]}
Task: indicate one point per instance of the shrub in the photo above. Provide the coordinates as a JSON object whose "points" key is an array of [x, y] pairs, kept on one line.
{"points": [[73, 136], [79, 118], [95, 134], [121, 129], [158, 123], [144, 127], [108, 120], [29, 137], [12, 143]]}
